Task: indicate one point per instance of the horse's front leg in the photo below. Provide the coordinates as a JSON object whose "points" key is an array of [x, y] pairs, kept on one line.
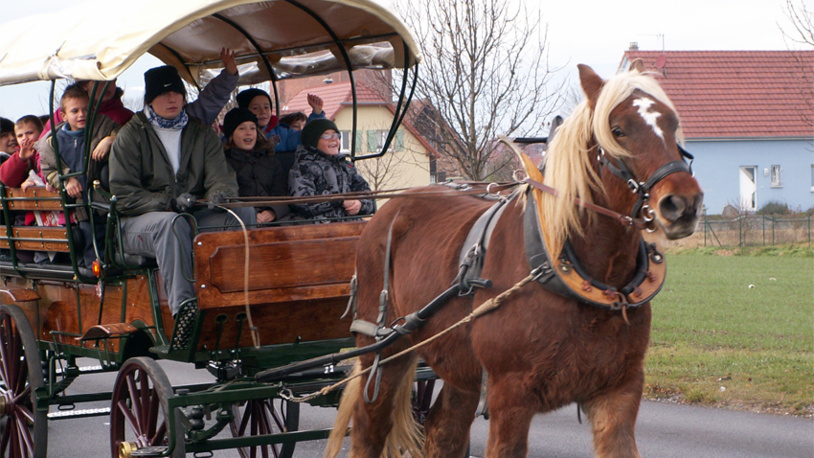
{"points": [[510, 414], [449, 421], [613, 419]]}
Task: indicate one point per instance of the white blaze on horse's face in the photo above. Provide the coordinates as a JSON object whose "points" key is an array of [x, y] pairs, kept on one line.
{"points": [[649, 117]]}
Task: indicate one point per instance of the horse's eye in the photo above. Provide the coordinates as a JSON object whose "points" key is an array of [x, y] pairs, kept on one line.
{"points": [[617, 132]]}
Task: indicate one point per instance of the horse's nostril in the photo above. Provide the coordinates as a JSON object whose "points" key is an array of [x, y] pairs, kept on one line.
{"points": [[672, 207]]}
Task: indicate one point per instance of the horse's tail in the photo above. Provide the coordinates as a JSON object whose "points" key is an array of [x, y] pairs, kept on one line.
{"points": [[405, 438], [349, 397]]}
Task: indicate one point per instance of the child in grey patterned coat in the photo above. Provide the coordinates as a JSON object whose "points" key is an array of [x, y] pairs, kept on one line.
{"points": [[319, 169]]}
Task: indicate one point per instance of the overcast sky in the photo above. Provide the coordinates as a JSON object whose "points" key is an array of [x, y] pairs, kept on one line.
{"points": [[595, 32]]}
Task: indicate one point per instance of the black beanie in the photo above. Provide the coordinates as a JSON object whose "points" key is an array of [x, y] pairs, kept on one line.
{"points": [[314, 129], [244, 98], [160, 80], [6, 126], [234, 118]]}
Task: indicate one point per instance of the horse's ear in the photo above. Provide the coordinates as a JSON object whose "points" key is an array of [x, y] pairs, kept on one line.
{"points": [[637, 65], [591, 82]]}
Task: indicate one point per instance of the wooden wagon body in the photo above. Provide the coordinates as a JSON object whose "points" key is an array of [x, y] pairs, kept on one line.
{"points": [[287, 306]]}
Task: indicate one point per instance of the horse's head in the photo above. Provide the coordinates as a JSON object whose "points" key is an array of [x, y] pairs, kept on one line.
{"points": [[639, 158]]}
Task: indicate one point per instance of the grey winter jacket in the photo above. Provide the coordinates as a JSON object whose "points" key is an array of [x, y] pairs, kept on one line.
{"points": [[141, 174], [315, 173]]}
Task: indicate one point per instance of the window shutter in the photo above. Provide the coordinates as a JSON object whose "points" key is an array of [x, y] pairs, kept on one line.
{"points": [[400, 140], [359, 146], [371, 142]]}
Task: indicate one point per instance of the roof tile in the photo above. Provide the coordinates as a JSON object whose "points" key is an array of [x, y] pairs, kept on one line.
{"points": [[737, 94]]}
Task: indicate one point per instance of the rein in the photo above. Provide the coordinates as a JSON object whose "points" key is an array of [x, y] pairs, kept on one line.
{"points": [[624, 220], [465, 189]]}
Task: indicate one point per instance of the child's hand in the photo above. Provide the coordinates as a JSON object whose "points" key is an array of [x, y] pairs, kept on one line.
{"points": [[26, 149], [73, 187], [27, 184], [266, 216], [102, 149], [316, 103], [228, 58]]}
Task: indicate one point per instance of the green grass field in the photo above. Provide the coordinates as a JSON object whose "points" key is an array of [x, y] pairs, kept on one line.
{"points": [[735, 330]]}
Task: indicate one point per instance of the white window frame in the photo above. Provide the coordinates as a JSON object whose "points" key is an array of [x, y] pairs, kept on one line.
{"points": [[345, 141], [776, 176]]}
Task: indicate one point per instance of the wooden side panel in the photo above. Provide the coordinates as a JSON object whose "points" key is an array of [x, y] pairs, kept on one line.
{"points": [[37, 238], [298, 276], [58, 315], [280, 323], [34, 198], [286, 264]]}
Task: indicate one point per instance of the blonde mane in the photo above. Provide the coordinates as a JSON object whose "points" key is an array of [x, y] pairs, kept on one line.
{"points": [[568, 158]]}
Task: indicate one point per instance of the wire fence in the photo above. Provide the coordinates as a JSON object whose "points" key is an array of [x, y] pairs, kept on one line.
{"points": [[757, 230]]}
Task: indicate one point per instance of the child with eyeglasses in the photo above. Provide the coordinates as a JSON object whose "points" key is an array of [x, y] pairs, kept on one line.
{"points": [[319, 169]]}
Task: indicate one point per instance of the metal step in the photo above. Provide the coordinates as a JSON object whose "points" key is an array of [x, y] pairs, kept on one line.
{"points": [[153, 450], [82, 413], [95, 368]]}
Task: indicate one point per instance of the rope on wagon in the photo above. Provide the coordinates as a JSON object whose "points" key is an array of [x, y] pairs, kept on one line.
{"points": [[481, 310], [255, 333]]}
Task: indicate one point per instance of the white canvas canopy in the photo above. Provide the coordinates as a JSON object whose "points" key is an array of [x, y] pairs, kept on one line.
{"points": [[99, 40]]}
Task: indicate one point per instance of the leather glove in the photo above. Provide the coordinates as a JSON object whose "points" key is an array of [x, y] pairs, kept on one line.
{"points": [[217, 198], [184, 202]]}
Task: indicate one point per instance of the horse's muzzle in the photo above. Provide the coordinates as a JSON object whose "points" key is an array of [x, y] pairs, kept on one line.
{"points": [[678, 215]]}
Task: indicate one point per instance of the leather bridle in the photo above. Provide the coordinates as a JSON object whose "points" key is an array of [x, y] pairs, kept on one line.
{"points": [[642, 188]]}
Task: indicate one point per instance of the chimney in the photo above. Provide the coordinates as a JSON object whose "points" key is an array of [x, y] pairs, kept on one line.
{"points": [[634, 46]]}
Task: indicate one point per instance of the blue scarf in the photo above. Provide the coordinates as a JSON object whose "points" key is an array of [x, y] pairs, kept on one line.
{"points": [[174, 124]]}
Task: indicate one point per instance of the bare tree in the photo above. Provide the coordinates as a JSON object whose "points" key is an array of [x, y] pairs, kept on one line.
{"points": [[383, 172], [801, 33], [484, 73], [802, 22]]}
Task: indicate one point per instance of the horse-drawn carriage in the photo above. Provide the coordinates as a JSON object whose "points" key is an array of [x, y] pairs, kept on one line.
{"points": [[277, 302], [521, 302]]}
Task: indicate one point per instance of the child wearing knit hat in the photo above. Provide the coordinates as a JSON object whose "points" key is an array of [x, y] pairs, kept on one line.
{"points": [[252, 158]]}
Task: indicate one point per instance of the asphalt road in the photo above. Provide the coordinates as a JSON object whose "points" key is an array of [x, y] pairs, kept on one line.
{"points": [[663, 430]]}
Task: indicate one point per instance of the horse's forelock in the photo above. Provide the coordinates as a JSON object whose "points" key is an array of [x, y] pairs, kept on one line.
{"points": [[614, 92]]}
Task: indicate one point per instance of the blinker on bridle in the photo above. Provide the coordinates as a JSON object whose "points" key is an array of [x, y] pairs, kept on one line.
{"points": [[642, 188]]}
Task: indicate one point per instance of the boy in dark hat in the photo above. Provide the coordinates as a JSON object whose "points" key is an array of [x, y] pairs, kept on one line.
{"points": [[319, 169]]}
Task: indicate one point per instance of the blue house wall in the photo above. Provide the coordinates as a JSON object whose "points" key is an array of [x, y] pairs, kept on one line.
{"points": [[717, 168]]}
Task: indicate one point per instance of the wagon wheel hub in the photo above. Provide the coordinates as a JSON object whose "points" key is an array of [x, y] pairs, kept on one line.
{"points": [[126, 449]]}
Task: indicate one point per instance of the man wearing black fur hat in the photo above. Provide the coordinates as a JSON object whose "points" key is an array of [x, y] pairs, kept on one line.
{"points": [[162, 162], [319, 169]]}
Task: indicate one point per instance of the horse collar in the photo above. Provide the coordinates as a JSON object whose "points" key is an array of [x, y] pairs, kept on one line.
{"points": [[565, 275]]}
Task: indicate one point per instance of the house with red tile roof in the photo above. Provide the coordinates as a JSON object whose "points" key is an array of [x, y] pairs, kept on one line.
{"points": [[410, 160], [748, 117]]}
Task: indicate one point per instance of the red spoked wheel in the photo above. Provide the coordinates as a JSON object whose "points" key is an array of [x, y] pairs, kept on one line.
{"points": [[24, 429], [138, 411], [262, 416]]}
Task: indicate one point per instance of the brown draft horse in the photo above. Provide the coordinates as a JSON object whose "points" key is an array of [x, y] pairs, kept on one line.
{"points": [[540, 350]]}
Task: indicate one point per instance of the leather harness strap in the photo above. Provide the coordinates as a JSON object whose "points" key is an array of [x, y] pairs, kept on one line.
{"points": [[623, 219]]}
